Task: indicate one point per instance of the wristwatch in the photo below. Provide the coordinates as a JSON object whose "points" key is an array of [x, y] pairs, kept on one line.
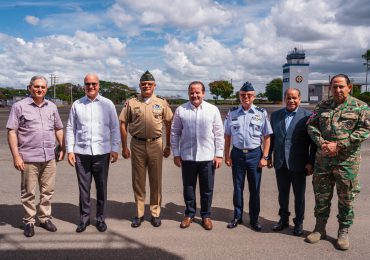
{"points": [[266, 158]]}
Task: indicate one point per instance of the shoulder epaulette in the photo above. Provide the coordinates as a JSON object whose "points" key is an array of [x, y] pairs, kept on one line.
{"points": [[160, 97], [325, 103], [233, 108], [261, 109]]}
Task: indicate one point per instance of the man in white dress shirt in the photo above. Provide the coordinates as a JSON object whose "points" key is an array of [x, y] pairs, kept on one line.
{"points": [[93, 140], [197, 142]]}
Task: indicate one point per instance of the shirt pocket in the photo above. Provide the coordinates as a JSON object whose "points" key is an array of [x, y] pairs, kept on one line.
{"points": [[348, 121], [256, 127], [29, 122], [82, 136], [157, 114], [324, 120], [51, 122], [235, 127], [137, 114]]}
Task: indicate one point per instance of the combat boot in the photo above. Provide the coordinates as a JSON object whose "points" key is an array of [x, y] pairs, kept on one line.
{"points": [[318, 233], [343, 241]]}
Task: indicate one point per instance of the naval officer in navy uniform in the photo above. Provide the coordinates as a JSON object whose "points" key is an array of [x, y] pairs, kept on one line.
{"points": [[248, 128]]}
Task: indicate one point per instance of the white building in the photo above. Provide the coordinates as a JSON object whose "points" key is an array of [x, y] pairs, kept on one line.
{"points": [[365, 88], [295, 73]]}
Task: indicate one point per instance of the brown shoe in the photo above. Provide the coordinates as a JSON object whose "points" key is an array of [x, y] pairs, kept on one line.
{"points": [[207, 223], [186, 222]]}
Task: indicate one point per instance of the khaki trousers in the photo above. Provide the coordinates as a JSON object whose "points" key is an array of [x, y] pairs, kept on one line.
{"points": [[42, 173], [147, 156]]}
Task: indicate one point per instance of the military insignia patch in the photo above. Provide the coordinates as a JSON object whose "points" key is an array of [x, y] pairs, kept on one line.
{"points": [[311, 117], [348, 124], [156, 107]]}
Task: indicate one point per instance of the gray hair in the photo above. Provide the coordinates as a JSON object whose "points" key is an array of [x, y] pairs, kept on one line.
{"points": [[296, 89], [34, 78]]}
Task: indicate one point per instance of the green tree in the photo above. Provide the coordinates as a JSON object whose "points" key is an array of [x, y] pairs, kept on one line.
{"points": [[274, 90], [221, 88], [365, 97], [237, 97], [63, 92], [356, 90], [117, 92], [366, 57]]}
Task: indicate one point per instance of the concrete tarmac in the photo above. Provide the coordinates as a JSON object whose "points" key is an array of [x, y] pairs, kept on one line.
{"points": [[169, 241]]}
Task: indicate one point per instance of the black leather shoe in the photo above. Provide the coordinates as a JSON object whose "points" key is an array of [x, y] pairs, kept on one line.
{"points": [[155, 221], [101, 226], [82, 227], [29, 230], [256, 226], [298, 230], [49, 226], [280, 225], [234, 223], [136, 222]]}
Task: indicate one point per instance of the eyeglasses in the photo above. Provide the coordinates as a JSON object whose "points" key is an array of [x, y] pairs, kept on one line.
{"points": [[39, 86], [150, 84], [94, 84], [247, 95]]}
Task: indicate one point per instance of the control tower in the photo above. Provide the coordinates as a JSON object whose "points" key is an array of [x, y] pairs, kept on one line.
{"points": [[295, 73]]}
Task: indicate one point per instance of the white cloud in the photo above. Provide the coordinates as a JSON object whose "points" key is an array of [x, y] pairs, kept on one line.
{"points": [[180, 41], [33, 20], [70, 57], [190, 14]]}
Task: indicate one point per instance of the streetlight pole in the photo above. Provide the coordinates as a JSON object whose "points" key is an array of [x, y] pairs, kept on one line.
{"points": [[71, 93], [53, 78]]}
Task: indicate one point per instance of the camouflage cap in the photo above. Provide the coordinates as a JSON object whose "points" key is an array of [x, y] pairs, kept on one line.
{"points": [[247, 86], [147, 76]]}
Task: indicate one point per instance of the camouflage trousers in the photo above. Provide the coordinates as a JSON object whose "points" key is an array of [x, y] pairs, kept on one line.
{"points": [[345, 178]]}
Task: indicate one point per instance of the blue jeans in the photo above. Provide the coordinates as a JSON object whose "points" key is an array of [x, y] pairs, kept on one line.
{"points": [[246, 164]]}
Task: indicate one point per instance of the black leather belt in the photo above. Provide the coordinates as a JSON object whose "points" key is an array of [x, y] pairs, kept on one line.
{"points": [[245, 150], [146, 139]]}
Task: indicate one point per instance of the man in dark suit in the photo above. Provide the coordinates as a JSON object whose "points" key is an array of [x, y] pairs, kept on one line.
{"points": [[293, 157]]}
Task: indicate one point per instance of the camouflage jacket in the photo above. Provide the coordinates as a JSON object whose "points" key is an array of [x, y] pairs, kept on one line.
{"points": [[348, 124]]}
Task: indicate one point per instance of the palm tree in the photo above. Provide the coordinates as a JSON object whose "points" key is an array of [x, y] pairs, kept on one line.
{"points": [[366, 57]]}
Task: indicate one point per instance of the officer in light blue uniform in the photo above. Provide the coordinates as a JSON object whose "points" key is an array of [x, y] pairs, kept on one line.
{"points": [[248, 128]]}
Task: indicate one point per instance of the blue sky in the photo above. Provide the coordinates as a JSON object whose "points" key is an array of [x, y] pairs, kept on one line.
{"points": [[180, 41]]}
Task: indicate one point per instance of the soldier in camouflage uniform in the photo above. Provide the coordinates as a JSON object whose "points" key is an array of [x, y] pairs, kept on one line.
{"points": [[337, 126]]}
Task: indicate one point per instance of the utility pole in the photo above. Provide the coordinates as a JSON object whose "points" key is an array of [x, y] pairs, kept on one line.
{"points": [[71, 93], [53, 78]]}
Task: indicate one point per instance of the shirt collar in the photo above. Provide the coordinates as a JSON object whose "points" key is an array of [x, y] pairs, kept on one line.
{"points": [[291, 113], [252, 109], [146, 100], [194, 108], [96, 99], [30, 101]]}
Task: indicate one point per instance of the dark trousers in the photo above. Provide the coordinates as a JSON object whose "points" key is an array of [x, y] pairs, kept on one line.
{"points": [[190, 172], [246, 164], [88, 167], [286, 178]]}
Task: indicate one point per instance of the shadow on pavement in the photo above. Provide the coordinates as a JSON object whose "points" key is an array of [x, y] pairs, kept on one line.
{"points": [[129, 249]]}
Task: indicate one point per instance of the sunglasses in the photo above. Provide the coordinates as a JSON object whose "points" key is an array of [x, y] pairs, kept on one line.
{"points": [[94, 84], [247, 95]]}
